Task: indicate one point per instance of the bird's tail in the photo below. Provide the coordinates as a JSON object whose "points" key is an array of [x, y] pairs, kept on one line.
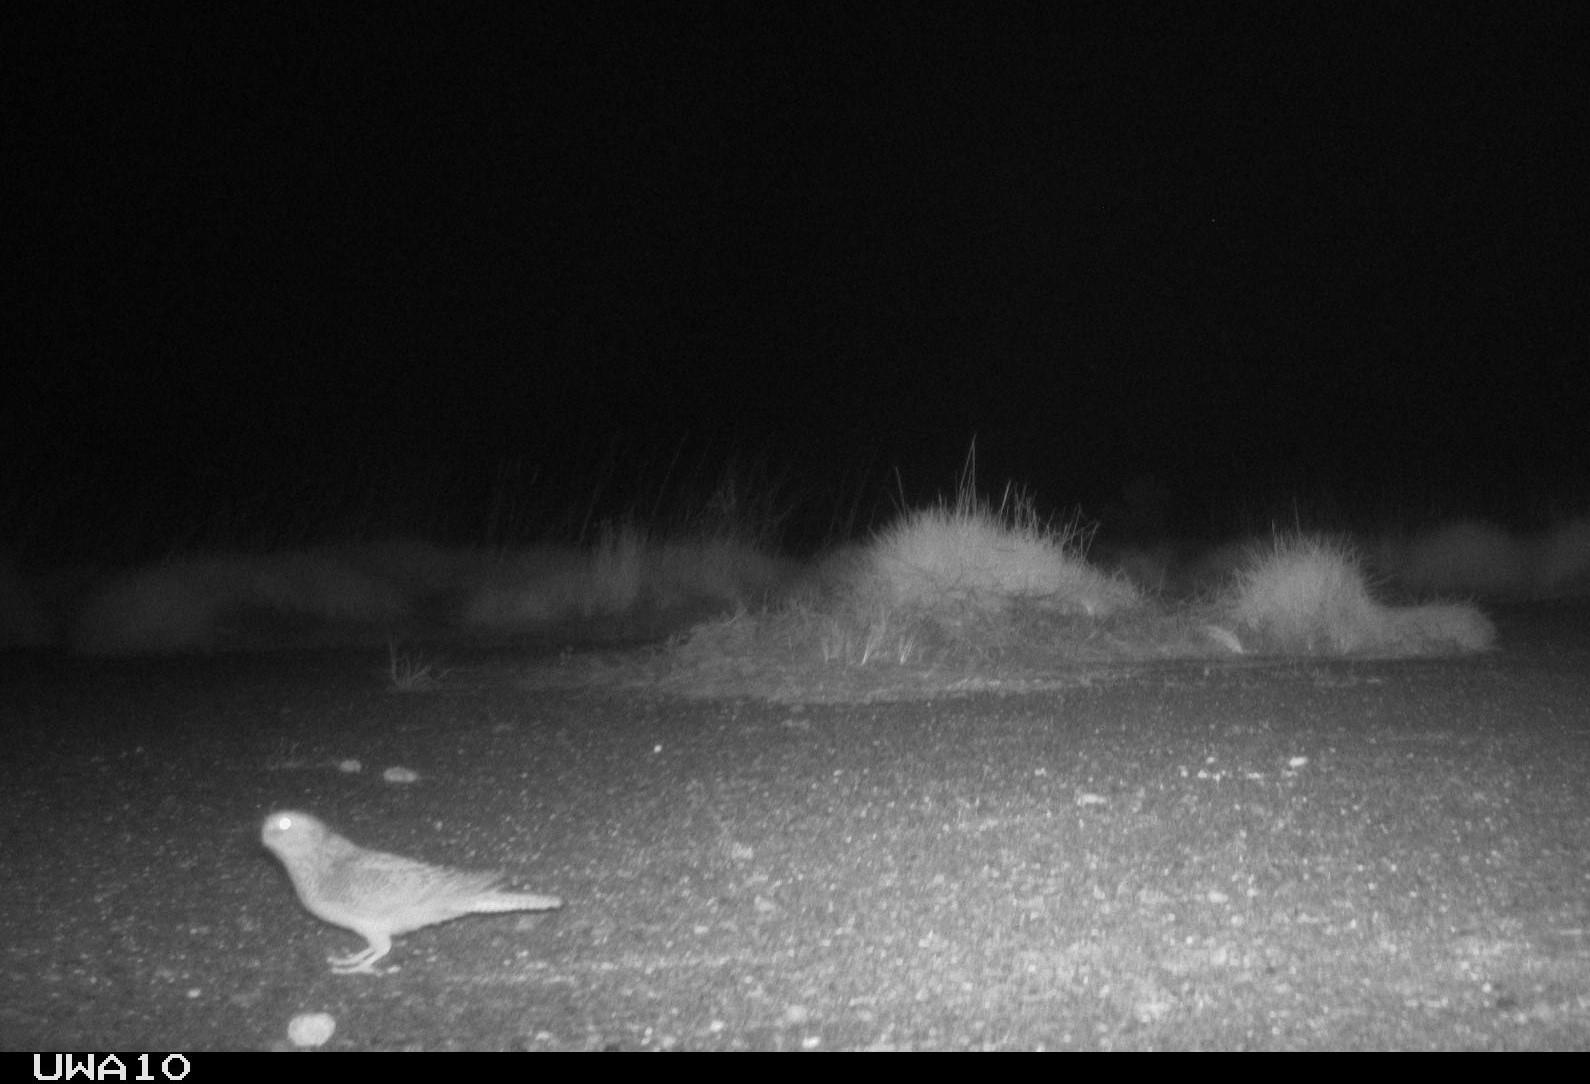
{"points": [[515, 901]]}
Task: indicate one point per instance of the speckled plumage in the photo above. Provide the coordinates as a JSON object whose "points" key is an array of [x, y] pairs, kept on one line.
{"points": [[379, 896]]}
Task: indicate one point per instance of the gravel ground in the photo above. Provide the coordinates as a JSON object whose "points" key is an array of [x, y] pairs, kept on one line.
{"points": [[1299, 854]]}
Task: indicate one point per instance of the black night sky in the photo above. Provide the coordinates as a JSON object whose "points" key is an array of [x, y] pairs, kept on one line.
{"points": [[1332, 252]]}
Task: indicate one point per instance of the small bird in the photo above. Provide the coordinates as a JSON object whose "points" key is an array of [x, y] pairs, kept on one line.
{"points": [[379, 896]]}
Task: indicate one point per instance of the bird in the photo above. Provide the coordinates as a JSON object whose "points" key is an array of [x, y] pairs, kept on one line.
{"points": [[376, 895]]}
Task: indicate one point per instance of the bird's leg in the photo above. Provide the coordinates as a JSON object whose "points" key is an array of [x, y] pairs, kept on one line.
{"points": [[363, 961]]}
